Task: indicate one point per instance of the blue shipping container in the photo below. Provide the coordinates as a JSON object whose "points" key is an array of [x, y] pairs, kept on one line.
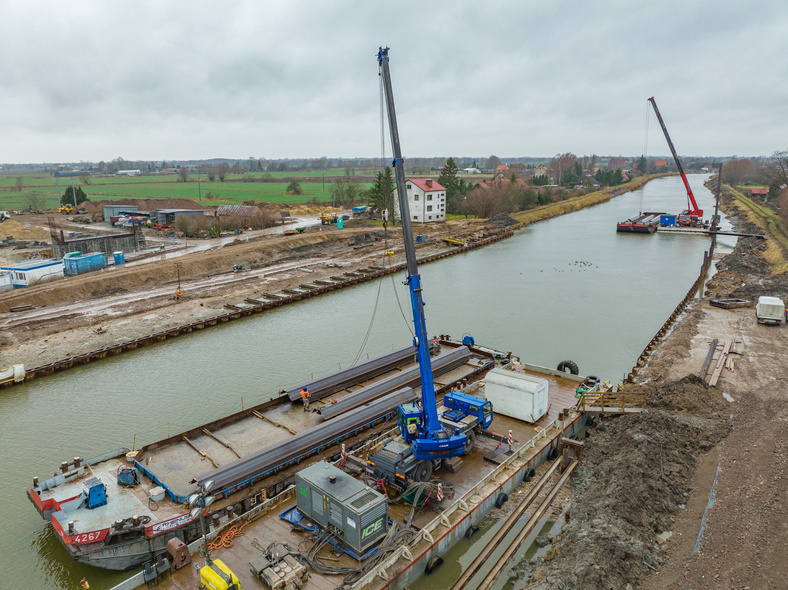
{"points": [[667, 220], [85, 263], [120, 258]]}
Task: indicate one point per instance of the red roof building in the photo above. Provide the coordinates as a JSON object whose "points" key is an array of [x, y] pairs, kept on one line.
{"points": [[426, 200]]}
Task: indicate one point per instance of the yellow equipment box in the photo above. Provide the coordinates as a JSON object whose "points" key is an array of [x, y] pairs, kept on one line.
{"points": [[218, 576]]}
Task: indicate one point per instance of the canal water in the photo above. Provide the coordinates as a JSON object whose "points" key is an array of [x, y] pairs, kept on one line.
{"points": [[566, 288]]}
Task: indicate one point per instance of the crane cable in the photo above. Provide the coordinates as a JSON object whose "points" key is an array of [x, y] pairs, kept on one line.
{"points": [[645, 151], [385, 250]]}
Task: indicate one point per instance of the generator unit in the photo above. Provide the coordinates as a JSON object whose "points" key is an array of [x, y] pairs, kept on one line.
{"points": [[342, 505]]}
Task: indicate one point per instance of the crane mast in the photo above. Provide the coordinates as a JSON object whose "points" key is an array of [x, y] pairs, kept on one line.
{"points": [[433, 440], [693, 210]]}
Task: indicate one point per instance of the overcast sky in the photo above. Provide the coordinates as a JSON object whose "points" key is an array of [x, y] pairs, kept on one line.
{"points": [[93, 81]]}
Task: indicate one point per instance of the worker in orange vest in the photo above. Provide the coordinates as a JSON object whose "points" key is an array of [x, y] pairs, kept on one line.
{"points": [[305, 397]]}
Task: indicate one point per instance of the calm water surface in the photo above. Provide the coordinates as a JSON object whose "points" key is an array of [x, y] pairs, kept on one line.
{"points": [[566, 288]]}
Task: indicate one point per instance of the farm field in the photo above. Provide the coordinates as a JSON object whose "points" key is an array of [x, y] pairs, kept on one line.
{"points": [[43, 189]]}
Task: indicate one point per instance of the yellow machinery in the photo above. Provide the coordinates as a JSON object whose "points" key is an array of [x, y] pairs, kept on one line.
{"points": [[66, 209], [217, 576]]}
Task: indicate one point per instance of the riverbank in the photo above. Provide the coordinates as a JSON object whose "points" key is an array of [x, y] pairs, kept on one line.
{"points": [[103, 309], [694, 461]]}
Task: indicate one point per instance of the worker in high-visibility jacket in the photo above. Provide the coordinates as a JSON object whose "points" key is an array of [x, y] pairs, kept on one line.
{"points": [[305, 398]]}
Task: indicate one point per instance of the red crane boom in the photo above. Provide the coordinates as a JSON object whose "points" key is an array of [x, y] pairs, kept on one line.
{"points": [[693, 215]]}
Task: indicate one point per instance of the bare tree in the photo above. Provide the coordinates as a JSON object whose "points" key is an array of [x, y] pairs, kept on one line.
{"points": [[492, 163], [33, 202], [183, 172], [782, 205], [187, 224], [223, 171], [738, 171], [776, 172], [19, 184], [560, 165], [84, 177], [590, 169]]}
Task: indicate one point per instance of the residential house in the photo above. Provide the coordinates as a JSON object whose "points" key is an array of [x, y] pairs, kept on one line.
{"points": [[426, 200]]}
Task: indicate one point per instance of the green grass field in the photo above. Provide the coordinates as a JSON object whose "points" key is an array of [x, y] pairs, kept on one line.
{"points": [[43, 188]]}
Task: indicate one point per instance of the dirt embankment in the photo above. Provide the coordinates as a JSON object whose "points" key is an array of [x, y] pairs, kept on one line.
{"points": [[692, 492], [635, 474], [100, 309]]}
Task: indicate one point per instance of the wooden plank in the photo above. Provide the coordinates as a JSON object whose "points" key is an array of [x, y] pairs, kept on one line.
{"points": [[715, 376], [704, 370], [204, 454], [222, 442], [267, 419]]}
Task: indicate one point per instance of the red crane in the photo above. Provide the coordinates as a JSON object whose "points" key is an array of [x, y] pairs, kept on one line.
{"points": [[692, 216]]}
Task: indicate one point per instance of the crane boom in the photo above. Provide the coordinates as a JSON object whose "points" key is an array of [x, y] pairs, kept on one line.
{"points": [[693, 210], [433, 441]]}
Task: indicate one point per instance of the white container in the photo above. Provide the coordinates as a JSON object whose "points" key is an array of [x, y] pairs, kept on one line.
{"points": [[770, 310], [156, 494], [516, 395]]}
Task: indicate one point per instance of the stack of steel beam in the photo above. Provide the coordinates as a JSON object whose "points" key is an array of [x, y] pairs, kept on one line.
{"points": [[283, 453], [441, 364], [339, 380]]}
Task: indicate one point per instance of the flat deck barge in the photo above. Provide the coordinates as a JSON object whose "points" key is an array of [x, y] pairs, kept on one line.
{"points": [[490, 470]]}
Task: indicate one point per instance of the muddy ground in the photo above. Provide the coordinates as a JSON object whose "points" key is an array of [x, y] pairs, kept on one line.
{"points": [[645, 483], [88, 312]]}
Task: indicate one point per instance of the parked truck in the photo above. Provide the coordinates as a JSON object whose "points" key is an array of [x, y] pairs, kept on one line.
{"points": [[770, 310]]}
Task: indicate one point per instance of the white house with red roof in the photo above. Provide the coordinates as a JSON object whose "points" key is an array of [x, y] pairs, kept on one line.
{"points": [[426, 200]]}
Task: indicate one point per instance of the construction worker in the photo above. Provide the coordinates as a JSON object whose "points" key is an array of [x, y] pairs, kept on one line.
{"points": [[305, 398]]}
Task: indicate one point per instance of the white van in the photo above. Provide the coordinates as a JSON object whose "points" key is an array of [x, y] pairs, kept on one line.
{"points": [[770, 310]]}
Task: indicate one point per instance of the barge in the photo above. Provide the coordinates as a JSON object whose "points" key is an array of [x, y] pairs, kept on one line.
{"points": [[489, 473], [644, 223], [120, 509]]}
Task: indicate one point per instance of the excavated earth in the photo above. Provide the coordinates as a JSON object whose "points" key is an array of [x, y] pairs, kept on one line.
{"points": [[692, 493], [99, 309]]}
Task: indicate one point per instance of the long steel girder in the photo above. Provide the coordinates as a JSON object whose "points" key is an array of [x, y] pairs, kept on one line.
{"points": [[280, 454], [339, 380], [410, 378]]}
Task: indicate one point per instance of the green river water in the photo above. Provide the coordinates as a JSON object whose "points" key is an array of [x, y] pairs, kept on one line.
{"points": [[565, 288]]}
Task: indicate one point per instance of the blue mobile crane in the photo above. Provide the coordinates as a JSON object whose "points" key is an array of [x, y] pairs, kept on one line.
{"points": [[429, 439]]}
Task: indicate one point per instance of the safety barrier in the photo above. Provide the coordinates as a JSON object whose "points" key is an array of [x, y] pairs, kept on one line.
{"points": [[339, 282]]}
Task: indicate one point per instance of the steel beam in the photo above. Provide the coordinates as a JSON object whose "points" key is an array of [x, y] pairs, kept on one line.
{"points": [[265, 461], [441, 364], [333, 382]]}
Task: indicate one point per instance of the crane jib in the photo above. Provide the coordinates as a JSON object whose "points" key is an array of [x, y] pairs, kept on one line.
{"points": [[421, 341], [692, 204]]}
